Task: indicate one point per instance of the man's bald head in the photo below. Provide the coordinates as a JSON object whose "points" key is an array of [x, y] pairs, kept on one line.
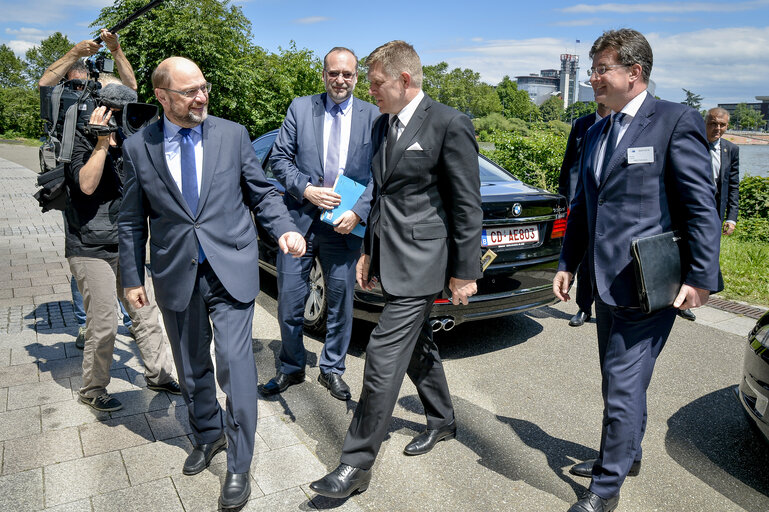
{"points": [[182, 90], [162, 76]]}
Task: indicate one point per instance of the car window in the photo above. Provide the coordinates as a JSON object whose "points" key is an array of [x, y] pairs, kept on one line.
{"points": [[491, 172], [262, 146]]}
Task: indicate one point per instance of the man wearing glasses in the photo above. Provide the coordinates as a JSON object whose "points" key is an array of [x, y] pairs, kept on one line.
{"points": [[323, 136], [645, 171], [197, 179]]}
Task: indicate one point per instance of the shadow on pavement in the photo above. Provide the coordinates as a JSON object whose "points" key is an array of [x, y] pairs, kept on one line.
{"points": [[711, 438]]}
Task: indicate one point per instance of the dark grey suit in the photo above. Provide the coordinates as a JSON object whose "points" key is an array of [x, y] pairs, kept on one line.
{"points": [[222, 288], [728, 184], [424, 227]]}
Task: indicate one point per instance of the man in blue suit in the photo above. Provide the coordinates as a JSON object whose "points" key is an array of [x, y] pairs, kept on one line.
{"points": [[203, 253], [567, 186], [645, 170], [725, 159], [322, 136]]}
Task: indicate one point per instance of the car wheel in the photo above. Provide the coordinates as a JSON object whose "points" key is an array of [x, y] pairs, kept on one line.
{"points": [[316, 309]]}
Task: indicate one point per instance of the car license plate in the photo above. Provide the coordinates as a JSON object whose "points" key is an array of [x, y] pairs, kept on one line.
{"points": [[510, 236]]}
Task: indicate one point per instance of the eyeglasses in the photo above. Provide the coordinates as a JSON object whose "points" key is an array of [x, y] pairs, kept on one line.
{"points": [[335, 74], [191, 93], [601, 70]]}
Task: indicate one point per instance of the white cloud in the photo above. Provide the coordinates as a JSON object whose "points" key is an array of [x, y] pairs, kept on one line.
{"points": [[665, 7], [723, 65], [310, 20], [20, 47]]}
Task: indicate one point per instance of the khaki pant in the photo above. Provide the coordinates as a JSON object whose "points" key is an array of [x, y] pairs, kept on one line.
{"points": [[99, 282]]}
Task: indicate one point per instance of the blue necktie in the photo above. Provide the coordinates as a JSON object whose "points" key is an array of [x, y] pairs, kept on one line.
{"points": [[611, 143], [331, 168], [190, 178]]}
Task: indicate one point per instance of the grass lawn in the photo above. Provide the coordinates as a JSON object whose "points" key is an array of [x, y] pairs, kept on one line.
{"points": [[19, 140], [745, 267]]}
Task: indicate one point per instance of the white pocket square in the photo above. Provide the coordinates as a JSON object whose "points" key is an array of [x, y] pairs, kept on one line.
{"points": [[414, 147]]}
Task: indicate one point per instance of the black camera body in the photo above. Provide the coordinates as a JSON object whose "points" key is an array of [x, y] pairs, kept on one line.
{"points": [[130, 119], [99, 64]]}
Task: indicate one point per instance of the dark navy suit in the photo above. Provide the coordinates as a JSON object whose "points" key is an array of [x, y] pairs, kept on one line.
{"points": [[297, 160], [728, 185], [567, 186], [633, 200], [222, 289]]}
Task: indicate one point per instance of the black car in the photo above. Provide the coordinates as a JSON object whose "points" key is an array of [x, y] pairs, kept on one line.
{"points": [[753, 390], [523, 225]]}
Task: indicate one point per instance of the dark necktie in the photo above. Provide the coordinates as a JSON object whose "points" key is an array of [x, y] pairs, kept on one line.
{"points": [[331, 168], [392, 138], [190, 178], [715, 161], [611, 143]]}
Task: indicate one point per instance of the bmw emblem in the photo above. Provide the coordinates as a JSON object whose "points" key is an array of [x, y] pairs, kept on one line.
{"points": [[516, 209]]}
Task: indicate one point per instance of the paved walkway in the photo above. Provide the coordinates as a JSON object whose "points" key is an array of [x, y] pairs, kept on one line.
{"points": [[57, 454]]}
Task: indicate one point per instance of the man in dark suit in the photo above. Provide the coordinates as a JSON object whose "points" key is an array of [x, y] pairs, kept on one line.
{"points": [[567, 185], [423, 233], [644, 171], [203, 254], [322, 136], [725, 159]]}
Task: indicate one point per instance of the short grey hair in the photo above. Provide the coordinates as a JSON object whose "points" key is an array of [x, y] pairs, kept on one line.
{"points": [[716, 112], [631, 47], [396, 57], [339, 49]]}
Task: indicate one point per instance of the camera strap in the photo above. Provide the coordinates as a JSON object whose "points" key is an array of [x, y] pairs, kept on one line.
{"points": [[68, 134]]}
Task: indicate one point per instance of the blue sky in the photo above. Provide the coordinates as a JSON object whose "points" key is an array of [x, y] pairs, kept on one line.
{"points": [[716, 49]]}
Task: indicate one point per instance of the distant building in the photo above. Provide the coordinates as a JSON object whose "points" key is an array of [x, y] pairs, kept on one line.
{"points": [[540, 87], [569, 79], [762, 107]]}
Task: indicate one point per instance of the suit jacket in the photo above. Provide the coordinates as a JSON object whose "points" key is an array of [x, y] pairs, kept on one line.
{"points": [[567, 180], [675, 191], [729, 181], [297, 157], [232, 183], [427, 203]]}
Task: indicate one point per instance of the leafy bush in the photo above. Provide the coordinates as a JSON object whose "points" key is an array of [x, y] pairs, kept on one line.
{"points": [[752, 229], [535, 159], [559, 127], [20, 112], [492, 123], [754, 197]]}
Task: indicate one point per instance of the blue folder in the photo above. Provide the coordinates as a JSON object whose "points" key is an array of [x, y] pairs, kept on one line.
{"points": [[350, 190]]}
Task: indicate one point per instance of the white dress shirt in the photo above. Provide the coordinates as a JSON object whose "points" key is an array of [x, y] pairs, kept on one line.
{"points": [[172, 149], [344, 137], [630, 110], [407, 112]]}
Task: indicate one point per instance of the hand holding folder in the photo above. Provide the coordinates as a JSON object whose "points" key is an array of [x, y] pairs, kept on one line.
{"points": [[350, 190]]}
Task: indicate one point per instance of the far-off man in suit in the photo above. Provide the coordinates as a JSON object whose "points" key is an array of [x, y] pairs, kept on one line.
{"points": [[644, 171], [423, 234], [196, 179], [567, 186], [322, 136], [725, 159]]}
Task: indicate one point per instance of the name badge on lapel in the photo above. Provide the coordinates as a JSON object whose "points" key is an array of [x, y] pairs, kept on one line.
{"points": [[643, 155]]}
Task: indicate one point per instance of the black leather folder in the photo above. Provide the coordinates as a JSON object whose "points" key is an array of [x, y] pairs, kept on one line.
{"points": [[657, 262]]}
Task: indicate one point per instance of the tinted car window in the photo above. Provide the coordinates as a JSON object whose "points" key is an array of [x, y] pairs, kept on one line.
{"points": [[490, 172], [262, 146]]}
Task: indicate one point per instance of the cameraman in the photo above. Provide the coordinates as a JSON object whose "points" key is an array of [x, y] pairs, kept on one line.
{"points": [[66, 68], [91, 247]]}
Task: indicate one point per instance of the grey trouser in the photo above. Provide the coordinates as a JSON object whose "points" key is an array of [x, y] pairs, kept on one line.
{"points": [[99, 281]]}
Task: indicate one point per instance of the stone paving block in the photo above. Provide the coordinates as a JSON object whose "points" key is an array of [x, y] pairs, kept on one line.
{"points": [[69, 414], [115, 434], [41, 450], [81, 478], [19, 423], [739, 325], [22, 491], [156, 460], [319, 502], [5, 356], [20, 339], [3, 399], [157, 496], [6, 294], [290, 500], [62, 368], [200, 493], [118, 383], [16, 283], [138, 401], [38, 352], [275, 432], [39, 393], [173, 421], [281, 469], [75, 506], [52, 297]]}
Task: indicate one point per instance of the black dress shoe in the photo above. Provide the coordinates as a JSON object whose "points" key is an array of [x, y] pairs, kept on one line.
{"points": [[235, 490], [425, 441], [202, 454], [687, 314], [579, 319], [280, 383], [586, 468], [342, 482], [334, 383], [169, 387], [593, 503]]}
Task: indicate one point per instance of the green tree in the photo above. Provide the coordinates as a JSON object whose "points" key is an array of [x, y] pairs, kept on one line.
{"points": [[39, 57], [577, 110], [20, 112], [11, 68], [552, 109], [461, 89], [535, 159], [746, 118], [692, 100], [516, 103]]}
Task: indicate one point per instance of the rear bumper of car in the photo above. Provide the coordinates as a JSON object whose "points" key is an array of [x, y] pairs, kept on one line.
{"points": [[753, 391]]}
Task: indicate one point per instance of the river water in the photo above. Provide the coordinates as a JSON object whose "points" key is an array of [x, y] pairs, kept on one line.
{"points": [[754, 160]]}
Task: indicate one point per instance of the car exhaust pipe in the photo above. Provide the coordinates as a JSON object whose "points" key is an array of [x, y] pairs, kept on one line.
{"points": [[436, 324], [447, 323]]}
